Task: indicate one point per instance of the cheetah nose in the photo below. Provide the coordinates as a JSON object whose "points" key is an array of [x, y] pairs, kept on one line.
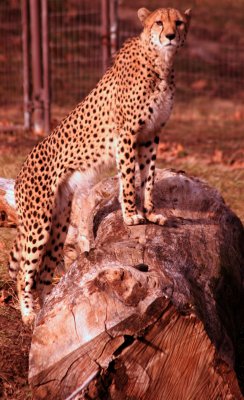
{"points": [[170, 36]]}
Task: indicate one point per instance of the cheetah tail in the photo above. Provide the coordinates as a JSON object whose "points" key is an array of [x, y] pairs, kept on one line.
{"points": [[14, 258]]}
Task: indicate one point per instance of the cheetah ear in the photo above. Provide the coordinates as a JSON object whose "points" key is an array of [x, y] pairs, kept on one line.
{"points": [[187, 14], [143, 14]]}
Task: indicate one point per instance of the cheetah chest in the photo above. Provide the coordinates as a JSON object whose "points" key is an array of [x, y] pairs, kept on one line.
{"points": [[160, 106]]}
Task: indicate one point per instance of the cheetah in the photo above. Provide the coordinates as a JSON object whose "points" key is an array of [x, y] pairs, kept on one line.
{"points": [[117, 122]]}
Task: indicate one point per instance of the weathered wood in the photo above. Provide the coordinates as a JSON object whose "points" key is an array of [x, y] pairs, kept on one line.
{"points": [[148, 312], [8, 217]]}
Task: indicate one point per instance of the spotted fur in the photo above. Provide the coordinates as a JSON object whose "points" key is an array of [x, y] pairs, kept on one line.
{"points": [[118, 121]]}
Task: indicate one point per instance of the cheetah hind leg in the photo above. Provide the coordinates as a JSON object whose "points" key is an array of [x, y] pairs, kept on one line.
{"points": [[28, 277], [26, 280], [53, 255]]}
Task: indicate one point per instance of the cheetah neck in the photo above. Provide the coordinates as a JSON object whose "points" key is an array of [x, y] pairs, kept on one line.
{"points": [[161, 63]]}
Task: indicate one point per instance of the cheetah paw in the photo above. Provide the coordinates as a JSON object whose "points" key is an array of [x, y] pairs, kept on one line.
{"points": [[156, 218], [84, 244], [29, 318], [136, 219]]}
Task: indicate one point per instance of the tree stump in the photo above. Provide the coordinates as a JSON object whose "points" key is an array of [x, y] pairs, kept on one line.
{"points": [[146, 312]]}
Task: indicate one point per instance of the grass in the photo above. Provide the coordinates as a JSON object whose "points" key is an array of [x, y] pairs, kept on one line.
{"points": [[211, 146], [10, 165], [230, 183], [14, 349], [14, 337]]}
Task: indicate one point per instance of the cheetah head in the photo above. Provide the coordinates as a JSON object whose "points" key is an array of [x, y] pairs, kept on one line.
{"points": [[165, 29]]}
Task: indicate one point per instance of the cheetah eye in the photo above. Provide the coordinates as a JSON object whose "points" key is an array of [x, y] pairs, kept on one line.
{"points": [[159, 23], [179, 23]]}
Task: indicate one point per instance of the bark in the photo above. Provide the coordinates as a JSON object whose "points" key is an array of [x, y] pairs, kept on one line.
{"points": [[146, 312]]}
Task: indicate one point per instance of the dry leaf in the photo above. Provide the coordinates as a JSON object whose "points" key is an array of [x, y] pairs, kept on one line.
{"points": [[200, 84], [217, 156]]}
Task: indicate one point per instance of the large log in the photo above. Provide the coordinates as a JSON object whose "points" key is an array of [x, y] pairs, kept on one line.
{"points": [[8, 217], [146, 312]]}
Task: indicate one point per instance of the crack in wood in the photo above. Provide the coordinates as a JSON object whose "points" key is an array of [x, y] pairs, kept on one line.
{"points": [[128, 340], [72, 312], [83, 386]]}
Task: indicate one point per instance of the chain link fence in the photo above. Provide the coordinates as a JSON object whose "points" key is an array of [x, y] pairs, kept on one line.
{"points": [[75, 51], [211, 64], [11, 66], [209, 67]]}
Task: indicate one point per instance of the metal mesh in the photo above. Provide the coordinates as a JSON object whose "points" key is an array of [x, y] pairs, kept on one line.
{"points": [[75, 51], [211, 64], [11, 78]]}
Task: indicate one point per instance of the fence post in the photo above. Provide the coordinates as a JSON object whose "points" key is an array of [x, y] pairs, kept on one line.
{"points": [[36, 65], [26, 74], [46, 70], [113, 14], [105, 34]]}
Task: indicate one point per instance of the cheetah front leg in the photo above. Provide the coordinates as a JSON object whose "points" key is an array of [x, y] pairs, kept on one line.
{"points": [[147, 151], [125, 159]]}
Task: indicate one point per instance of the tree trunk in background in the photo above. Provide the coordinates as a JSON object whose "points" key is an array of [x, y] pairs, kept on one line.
{"points": [[147, 312]]}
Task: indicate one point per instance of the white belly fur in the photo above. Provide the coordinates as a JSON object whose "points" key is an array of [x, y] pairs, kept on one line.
{"points": [[161, 109]]}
